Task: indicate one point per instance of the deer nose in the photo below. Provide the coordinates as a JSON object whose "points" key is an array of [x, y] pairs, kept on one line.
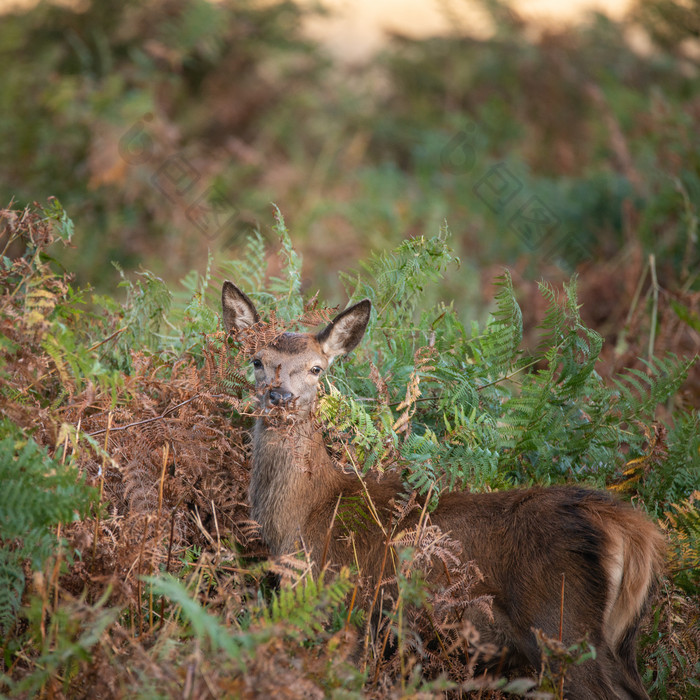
{"points": [[279, 396]]}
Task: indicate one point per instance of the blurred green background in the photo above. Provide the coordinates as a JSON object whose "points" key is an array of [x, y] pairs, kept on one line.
{"points": [[167, 128]]}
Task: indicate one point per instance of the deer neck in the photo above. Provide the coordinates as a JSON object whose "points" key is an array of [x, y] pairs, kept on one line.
{"points": [[292, 474]]}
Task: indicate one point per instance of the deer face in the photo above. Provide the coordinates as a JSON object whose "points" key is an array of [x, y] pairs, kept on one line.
{"points": [[287, 372]]}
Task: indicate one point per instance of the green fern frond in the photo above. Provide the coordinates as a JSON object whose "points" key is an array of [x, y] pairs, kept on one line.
{"points": [[148, 301], [287, 287], [678, 475], [304, 609], [422, 448], [36, 494], [561, 315], [346, 414], [11, 587], [641, 392], [506, 330], [204, 625], [684, 534], [249, 270], [393, 281]]}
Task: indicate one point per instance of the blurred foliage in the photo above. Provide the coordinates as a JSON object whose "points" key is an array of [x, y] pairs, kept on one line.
{"points": [[168, 127], [131, 112], [669, 22]]}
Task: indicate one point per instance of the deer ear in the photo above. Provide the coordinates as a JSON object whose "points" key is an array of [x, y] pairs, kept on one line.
{"points": [[239, 310], [345, 331]]}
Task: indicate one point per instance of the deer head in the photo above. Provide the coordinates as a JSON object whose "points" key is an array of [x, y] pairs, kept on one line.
{"points": [[287, 372]]}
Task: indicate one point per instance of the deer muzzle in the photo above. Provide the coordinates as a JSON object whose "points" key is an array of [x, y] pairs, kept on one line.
{"points": [[280, 397]]}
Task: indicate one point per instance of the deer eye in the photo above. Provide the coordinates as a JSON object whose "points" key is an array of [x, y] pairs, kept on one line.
{"points": [[316, 370], [257, 364]]}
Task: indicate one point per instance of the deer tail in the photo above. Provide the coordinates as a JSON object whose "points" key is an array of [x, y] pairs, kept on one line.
{"points": [[636, 554]]}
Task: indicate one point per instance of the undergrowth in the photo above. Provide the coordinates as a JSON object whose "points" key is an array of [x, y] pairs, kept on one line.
{"points": [[129, 565]]}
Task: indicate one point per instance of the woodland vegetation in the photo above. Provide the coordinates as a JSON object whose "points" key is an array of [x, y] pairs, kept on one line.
{"points": [[156, 134]]}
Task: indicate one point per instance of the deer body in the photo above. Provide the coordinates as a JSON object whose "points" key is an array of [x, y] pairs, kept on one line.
{"points": [[522, 540]]}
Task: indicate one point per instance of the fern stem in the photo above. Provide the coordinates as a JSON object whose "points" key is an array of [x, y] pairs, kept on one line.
{"points": [[107, 339], [655, 304], [505, 377], [421, 521], [167, 564], [57, 567], [102, 485], [637, 293], [351, 607], [147, 420], [166, 452], [138, 575], [327, 541], [378, 586]]}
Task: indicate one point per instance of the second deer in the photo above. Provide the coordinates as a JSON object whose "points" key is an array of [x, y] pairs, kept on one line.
{"points": [[522, 540]]}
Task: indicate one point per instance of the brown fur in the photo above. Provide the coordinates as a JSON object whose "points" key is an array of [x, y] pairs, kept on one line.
{"points": [[522, 540]]}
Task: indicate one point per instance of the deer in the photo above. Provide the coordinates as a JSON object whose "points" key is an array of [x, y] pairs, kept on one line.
{"points": [[522, 540]]}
